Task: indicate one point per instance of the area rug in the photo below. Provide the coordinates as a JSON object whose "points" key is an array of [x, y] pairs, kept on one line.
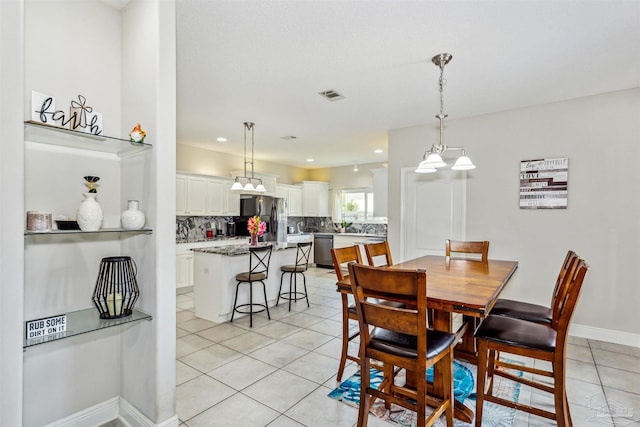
{"points": [[464, 383]]}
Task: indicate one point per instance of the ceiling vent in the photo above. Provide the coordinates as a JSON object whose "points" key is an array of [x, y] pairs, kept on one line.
{"points": [[290, 138], [331, 95]]}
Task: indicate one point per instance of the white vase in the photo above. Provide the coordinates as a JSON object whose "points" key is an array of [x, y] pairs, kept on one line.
{"points": [[89, 215], [132, 218]]}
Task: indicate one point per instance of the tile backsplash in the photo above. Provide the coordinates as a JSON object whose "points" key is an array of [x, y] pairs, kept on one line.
{"points": [[194, 228]]}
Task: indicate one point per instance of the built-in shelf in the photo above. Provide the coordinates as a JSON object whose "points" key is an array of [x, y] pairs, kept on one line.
{"points": [[84, 321], [55, 135], [102, 230]]}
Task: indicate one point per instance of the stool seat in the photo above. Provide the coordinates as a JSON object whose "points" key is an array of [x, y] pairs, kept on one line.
{"points": [[303, 252], [250, 277], [293, 268]]}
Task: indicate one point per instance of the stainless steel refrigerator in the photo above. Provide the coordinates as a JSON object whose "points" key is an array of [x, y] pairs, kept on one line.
{"points": [[271, 210]]}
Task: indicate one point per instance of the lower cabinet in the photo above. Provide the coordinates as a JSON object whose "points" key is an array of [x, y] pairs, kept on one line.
{"points": [[184, 270]]}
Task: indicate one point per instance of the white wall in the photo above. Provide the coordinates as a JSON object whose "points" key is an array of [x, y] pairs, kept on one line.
{"points": [[11, 212], [207, 162], [601, 137]]}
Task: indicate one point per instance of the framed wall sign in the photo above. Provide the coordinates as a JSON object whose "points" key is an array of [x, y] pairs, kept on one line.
{"points": [[543, 183]]}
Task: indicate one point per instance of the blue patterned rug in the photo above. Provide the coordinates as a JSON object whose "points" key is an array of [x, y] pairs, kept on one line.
{"points": [[464, 384]]}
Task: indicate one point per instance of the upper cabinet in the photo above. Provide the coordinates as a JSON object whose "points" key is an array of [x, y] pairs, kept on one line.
{"points": [[380, 190], [315, 198], [190, 195], [205, 196], [293, 195]]}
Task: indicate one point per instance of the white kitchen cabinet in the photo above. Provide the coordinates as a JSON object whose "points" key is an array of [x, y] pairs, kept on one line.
{"points": [[380, 190], [184, 270], [315, 198], [293, 194], [214, 204], [231, 203], [191, 195]]}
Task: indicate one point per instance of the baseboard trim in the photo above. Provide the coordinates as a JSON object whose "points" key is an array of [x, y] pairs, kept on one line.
{"points": [[110, 410], [608, 335], [130, 415], [91, 417]]}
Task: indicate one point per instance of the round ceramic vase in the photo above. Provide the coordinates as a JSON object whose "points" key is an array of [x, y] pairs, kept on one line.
{"points": [[133, 218], [89, 215]]}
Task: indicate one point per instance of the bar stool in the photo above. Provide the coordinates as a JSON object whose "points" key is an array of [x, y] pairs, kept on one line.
{"points": [[302, 264], [259, 258]]}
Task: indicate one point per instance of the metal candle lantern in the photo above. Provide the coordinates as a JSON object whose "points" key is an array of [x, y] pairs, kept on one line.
{"points": [[116, 289]]}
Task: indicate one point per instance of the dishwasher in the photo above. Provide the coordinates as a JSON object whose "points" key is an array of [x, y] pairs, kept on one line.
{"points": [[322, 245]]}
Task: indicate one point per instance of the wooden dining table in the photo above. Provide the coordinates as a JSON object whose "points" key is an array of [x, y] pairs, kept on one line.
{"points": [[454, 285]]}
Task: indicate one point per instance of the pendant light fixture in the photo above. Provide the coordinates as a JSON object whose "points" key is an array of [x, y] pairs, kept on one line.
{"points": [[432, 158], [237, 185]]}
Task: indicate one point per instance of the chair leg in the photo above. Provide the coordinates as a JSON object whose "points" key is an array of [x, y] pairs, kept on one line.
{"points": [[235, 301], [563, 417], [280, 290], [482, 372], [345, 336], [291, 279], [447, 373], [251, 304], [306, 294], [365, 378], [266, 305]]}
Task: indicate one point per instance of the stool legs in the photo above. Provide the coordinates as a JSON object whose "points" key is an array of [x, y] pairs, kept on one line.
{"points": [[293, 288], [250, 304]]}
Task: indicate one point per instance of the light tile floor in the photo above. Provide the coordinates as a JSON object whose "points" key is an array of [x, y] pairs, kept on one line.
{"points": [[279, 372]]}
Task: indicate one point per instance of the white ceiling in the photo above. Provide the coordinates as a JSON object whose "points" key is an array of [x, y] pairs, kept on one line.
{"points": [[266, 61]]}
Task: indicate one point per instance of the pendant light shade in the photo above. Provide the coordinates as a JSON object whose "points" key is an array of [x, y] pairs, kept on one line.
{"points": [[433, 157], [261, 188], [463, 164], [237, 185], [249, 187]]}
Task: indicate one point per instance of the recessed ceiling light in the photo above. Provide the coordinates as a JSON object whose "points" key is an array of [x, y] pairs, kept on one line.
{"points": [[378, 151], [221, 139], [310, 160]]}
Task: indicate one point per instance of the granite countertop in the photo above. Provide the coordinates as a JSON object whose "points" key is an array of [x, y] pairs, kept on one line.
{"points": [[213, 239], [234, 250], [353, 234]]}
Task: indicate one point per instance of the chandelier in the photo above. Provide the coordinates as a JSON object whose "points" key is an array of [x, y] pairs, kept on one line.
{"points": [[237, 185], [432, 158]]}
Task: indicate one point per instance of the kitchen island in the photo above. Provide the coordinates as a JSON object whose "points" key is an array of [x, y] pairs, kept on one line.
{"points": [[214, 283]]}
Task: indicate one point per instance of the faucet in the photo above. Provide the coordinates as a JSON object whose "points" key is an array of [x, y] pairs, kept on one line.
{"points": [[298, 225]]}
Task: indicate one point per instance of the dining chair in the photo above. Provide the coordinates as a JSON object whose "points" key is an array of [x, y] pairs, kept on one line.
{"points": [[399, 338], [342, 256], [259, 258], [501, 334], [375, 251], [533, 312], [303, 253], [478, 247]]}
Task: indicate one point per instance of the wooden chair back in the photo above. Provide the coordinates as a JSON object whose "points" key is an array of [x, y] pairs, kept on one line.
{"points": [[477, 247], [566, 264], [567, 297], [343, 256], [407, 286], [375, 251]]}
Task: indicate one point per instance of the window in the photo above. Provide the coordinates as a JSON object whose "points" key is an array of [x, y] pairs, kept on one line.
{"points": [[357, 205]]}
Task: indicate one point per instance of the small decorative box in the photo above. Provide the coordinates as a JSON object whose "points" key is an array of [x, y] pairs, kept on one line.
{"points": [[38, 221]]}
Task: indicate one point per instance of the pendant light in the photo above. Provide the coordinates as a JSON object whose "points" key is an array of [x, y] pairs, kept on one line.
{"points": [[237, 185], [432, 158]]}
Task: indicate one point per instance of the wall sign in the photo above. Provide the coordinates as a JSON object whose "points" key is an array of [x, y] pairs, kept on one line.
{"points": [[81, 117], [543, 183], [46, 326]]}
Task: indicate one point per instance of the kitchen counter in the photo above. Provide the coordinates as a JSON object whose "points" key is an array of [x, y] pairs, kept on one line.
{"points": [[346, 234], [213, 239], [235, 250], [214, 283]]}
